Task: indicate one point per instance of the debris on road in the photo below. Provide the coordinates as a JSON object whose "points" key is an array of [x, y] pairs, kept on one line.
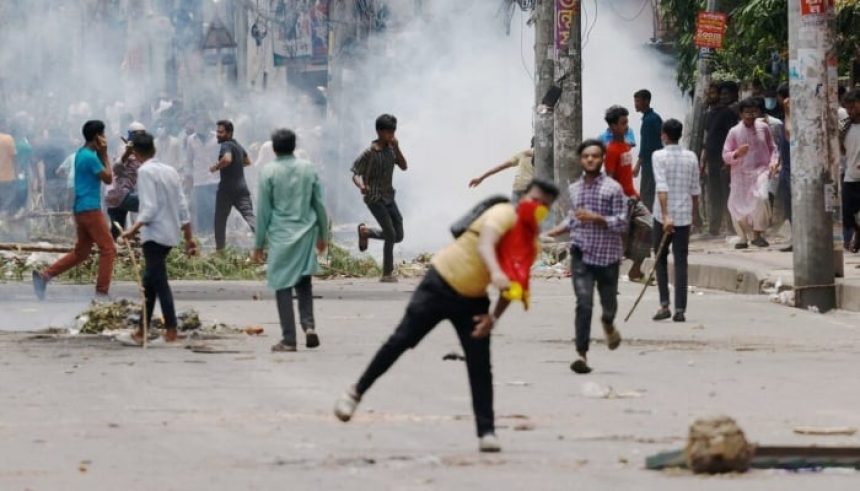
{"points": [[825, 430], [593, 390], [454, 356], [717, 445]]}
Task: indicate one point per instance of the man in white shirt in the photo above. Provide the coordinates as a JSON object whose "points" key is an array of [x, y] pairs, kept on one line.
{"points": [[850, 139], [202, 149], [163, 212], [676, 172]]}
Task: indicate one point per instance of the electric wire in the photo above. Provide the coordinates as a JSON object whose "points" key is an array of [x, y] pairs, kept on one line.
{"points": [[612, 6]]}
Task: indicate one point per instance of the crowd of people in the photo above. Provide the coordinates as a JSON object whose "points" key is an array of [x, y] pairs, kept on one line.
{"points": [[610, 218]]}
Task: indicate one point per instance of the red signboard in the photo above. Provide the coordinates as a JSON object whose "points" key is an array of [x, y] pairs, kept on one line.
{"points": [[815, 7], [564, 12], [710, 27]]}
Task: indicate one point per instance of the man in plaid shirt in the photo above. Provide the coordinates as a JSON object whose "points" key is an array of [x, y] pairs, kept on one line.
{"points": [[596, 226], [676, 172]]}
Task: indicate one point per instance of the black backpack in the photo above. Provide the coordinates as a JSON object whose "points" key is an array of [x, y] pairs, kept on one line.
{"points": [[460, 227]]}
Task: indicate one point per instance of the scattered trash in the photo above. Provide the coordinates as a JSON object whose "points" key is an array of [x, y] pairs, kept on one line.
{"points": [[593, 390], [524, 427], [254, 330], [825, 430], [518, 383], [813, 309], [206, 349], [454, 356], [784, 298]]}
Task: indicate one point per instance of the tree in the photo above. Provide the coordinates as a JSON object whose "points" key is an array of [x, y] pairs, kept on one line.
{"points": [[755, 41]]}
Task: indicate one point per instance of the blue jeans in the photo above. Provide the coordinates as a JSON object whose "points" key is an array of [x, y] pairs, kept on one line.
{"points": [[585, 276]]}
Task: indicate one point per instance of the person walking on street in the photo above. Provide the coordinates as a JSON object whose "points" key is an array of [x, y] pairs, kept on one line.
{"points": [[649, 135], [373, 173], [618, 163], [293, 223], [748, 151], [163, 213], [718, 123], [524, 163], [597, 224], [202, 149], [783, 167], [232, 189], [455, 289], [121, 196], [851, 184], [92, 168], [676, 172]]}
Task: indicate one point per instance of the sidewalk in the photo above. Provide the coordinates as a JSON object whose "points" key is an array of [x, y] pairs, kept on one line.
{"points": [[715, 264]]}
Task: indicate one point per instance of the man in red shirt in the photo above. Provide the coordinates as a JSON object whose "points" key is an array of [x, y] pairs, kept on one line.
{"points": [[618, 164]]}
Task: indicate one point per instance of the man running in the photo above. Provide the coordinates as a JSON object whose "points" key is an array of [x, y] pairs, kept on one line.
{"points": [[232, 189], [372, 173]]}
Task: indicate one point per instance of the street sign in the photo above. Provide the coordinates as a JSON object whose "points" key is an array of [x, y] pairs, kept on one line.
{"points": [[710, 27], [816, 7]]}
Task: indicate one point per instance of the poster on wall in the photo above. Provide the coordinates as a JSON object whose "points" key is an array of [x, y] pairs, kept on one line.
{"points": [[301, 32]]}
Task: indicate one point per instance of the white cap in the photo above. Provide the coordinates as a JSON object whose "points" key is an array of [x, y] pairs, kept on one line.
{"points": [[136, 126]]}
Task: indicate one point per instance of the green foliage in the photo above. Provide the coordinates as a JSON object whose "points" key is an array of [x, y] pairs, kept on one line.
{"points": [[756, 29], [342, 263]]}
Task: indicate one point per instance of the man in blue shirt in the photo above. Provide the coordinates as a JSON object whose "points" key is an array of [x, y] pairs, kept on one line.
{"points": [[92, 168], [650, 135]]}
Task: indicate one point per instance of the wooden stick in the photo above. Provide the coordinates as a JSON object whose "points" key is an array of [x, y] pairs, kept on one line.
{"points": [[136, 268], [663, 242], [22, 247]]}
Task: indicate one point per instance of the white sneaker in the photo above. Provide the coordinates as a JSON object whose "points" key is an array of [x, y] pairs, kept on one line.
{"points": [[345, 406], [489, 443]]}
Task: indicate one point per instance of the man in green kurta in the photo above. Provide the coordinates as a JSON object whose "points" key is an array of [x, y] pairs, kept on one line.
{"points": [[292, 220]]}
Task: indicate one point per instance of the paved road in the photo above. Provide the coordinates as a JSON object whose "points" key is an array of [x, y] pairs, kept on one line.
{"points": [[83, 413]]}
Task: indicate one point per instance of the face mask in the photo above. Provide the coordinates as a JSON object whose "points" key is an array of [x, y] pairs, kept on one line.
{"points": [[532, 212], [770, 103]]}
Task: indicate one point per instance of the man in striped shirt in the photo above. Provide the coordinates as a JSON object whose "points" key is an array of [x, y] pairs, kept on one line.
{"points": [[676, 172], [372, 173], [596, 227]]}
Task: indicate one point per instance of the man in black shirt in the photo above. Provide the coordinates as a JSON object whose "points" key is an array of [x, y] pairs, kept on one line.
{"points": [[373, 172], [232, 190], [717, 125]]}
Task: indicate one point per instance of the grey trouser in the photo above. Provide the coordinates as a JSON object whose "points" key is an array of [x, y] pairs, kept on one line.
{"points": [[284, 297]]}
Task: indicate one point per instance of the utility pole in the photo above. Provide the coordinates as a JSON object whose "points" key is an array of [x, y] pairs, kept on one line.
{"points": [[814, 149], [703, 81], [568, 113], [544, 70]]}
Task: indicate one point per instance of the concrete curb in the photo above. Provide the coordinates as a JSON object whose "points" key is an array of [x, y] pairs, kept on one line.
{"points": [[749, 281]]}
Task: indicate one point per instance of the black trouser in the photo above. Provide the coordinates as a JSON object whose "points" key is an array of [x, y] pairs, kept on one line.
{"points": [[680, 242], [226, 199], [850, 207], [433, 302], [391, 222], [784, 190], [119, 215], [584, 277], [155, 283], [647, 187], [718, 194], [304, 293]]}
